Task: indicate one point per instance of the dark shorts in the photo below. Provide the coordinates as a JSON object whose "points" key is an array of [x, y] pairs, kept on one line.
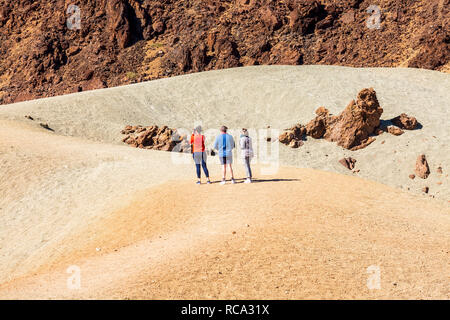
{"points": [[226, 159]]}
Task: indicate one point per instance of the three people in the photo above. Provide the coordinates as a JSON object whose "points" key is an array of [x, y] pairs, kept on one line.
{"points": [[224, 144]]}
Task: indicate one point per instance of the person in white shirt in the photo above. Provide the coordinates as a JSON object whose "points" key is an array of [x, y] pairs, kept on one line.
{"points": [[247, 153]]}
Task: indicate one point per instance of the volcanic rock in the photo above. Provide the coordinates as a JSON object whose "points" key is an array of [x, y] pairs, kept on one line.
{"points": [[357, 122], [404, 121], [349, 163], [396, 131], [352, 128], [156, 138], [422, 169], [293, 137], [41, 57]]}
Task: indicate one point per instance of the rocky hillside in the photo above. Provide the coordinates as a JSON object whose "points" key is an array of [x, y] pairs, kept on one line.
{"points": [[45, 52]]}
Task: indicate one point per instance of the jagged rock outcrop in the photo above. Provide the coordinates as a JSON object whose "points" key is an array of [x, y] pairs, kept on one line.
{"points": [[156, 138], [357, 122], [354, 128], [124, 41]]}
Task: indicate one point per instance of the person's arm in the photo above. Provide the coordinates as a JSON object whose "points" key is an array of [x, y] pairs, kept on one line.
{"points": [[216, 144], [242, 143], [233, 145]]}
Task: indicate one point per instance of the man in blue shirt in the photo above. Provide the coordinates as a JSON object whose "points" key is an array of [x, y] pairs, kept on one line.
{"points": [[224, 144]]}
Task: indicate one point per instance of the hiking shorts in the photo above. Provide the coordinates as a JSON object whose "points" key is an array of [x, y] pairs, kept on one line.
{"points": [[226, 159]]}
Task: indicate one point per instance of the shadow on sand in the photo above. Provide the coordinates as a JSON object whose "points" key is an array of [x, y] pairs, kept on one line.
{"points": [[241, 180], [385, 123]]}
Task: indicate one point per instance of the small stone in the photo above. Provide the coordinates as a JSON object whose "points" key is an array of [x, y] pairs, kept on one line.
{"points": [[422, 169], [349, 163], [404, 121], [396, 131]]}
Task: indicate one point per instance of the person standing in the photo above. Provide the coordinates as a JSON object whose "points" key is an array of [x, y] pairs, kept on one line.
{"points": [[247, 153], [224, 144], [199, 154]]}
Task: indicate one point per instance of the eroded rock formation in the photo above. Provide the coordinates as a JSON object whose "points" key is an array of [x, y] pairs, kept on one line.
{"points": [[155, 138], [352, 128]]}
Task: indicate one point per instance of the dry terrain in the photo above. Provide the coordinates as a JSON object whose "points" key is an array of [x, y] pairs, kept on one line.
{"points": [[137, 226]]}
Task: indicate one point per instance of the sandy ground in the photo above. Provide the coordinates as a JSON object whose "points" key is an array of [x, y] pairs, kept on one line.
{"points": [[137, 227]]}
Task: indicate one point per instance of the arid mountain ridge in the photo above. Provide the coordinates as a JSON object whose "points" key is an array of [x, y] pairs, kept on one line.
{"points": [[125, 41]]}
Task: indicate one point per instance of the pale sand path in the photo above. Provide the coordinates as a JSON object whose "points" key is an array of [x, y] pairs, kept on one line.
{"points": [[279, 96], [311, 236]]}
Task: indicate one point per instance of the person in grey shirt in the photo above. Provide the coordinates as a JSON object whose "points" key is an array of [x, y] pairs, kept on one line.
{"points": [[247, 153]]}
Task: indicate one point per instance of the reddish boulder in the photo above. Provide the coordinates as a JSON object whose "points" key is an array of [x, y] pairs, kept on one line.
{"points": [[156, 138], [356, 123], [293, 137], [422, 169], [404, 121], [396, 131]]}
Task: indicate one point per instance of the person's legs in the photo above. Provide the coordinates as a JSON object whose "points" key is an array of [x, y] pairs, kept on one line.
{"points": [[197, 166], [223, 162], [248, 169], [224, 172], [230, 162], [205, 168], [199, 173]]}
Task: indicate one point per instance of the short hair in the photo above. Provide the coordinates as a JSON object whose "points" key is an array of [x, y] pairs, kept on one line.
{"points": [[223, 128], [198, 129]]}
